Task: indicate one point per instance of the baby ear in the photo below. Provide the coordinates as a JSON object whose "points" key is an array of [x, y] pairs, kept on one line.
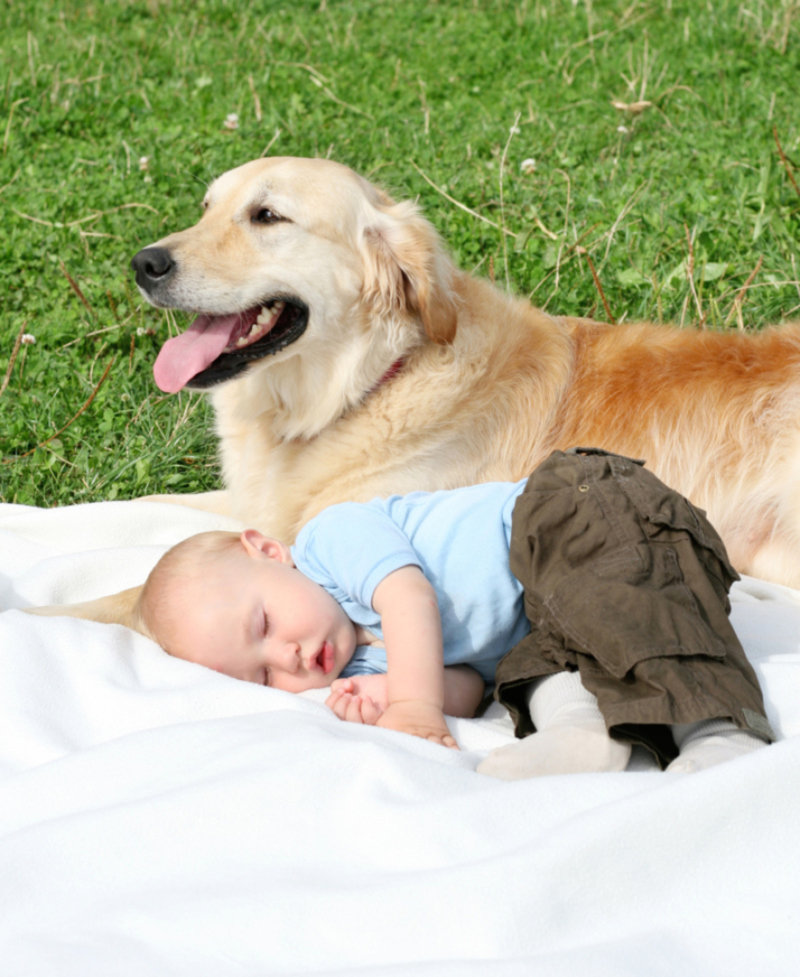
{"points": [[257, 546], [407, 269], [118, 608]]}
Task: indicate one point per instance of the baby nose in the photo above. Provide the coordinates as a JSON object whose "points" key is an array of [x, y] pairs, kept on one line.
{"points": [[291, 656]]}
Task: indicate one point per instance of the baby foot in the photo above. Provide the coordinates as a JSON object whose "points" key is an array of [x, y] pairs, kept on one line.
{"points": [[723, 741], [561, 749]]}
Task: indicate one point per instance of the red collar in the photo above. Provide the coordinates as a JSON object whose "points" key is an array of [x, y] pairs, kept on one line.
{"points": [[393, 370]]}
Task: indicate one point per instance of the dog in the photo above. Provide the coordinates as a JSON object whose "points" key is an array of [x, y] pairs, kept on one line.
{"points": [[346, 357]]}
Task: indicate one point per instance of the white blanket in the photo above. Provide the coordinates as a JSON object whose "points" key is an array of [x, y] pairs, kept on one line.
{"points": [[160, 820]]}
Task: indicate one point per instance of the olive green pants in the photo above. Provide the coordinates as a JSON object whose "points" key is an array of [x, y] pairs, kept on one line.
{"points": [[627, 582]]}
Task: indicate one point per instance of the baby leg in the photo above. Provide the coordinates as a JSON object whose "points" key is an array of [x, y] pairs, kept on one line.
{"points": [[709, 742], [571, 735]]}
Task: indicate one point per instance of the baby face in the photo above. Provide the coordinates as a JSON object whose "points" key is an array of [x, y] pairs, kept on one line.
{"points": [[254, 616]]}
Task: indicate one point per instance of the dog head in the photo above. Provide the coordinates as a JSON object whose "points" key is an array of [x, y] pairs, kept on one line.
{"points": [[297, 258]]}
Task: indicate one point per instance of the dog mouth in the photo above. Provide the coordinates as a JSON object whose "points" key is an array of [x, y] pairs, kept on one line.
{"points": [[216, 348]]}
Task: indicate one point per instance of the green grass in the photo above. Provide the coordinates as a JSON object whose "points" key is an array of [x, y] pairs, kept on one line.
{"points": [[396, 90]]}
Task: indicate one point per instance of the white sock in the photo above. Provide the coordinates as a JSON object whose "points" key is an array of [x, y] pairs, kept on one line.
{"points": [[709, 742], [571, 735]]}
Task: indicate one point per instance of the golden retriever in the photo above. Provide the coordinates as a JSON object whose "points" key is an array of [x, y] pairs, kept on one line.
{"points": [[346, 357]]}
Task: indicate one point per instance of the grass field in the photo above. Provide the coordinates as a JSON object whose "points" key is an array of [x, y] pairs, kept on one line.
{"points": [[665, 140]]}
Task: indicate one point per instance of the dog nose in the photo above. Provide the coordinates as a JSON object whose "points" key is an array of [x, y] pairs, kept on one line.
{"points": [[153, 266]]}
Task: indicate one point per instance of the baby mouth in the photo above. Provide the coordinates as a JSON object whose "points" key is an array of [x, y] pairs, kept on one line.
{"points": [[323, 660]]}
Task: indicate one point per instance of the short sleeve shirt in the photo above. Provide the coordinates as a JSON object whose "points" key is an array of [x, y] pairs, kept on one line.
{"points": [[459, 538]]}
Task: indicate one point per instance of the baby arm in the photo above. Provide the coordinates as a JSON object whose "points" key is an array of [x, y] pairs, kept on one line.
{"points": [[463, 691], [364, 698], [412, 631]]}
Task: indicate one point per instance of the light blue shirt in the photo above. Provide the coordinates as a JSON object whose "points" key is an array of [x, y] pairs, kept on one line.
{"points": [[459, 538]]}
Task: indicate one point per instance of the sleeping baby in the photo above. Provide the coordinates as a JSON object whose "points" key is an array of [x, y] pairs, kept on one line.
{"points": [[591, 596]]}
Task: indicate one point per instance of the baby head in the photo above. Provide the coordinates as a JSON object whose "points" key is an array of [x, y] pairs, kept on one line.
{"points": [[237, 603]]}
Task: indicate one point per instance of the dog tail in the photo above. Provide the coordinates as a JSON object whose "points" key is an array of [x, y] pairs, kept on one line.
{"points": [[121, 608]]}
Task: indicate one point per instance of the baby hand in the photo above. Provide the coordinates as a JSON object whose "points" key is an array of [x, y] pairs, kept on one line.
{"points": [[419, 719], [348, 704], [375, 687]]}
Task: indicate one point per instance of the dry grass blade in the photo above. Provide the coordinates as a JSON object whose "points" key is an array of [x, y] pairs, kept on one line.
{"points": [[76, 288], [598, 286], [690, 278], [7, 185], [19, 101], [271, 143], [457, 203], [13, 359], [256, 99], [741, 295], [632, 108], [511, 133], [785, 161], [622, 215], [92, 395], [83, 220]]}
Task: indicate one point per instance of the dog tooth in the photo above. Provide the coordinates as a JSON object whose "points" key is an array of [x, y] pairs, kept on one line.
{"points": [[269, 310]]}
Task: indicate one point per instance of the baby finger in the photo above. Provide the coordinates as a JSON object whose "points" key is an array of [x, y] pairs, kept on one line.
{"points": [[341, 705], [354, 710], [370, 713]]}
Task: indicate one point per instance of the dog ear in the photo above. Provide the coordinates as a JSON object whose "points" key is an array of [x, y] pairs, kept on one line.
{"points": [[406, 269], [121, 608]]}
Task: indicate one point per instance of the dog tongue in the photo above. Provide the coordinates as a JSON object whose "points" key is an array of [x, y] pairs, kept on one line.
{"points": [[184, 356]]}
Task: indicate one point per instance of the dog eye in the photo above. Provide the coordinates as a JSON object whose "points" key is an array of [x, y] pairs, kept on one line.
{"points": [[265, 216]]}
